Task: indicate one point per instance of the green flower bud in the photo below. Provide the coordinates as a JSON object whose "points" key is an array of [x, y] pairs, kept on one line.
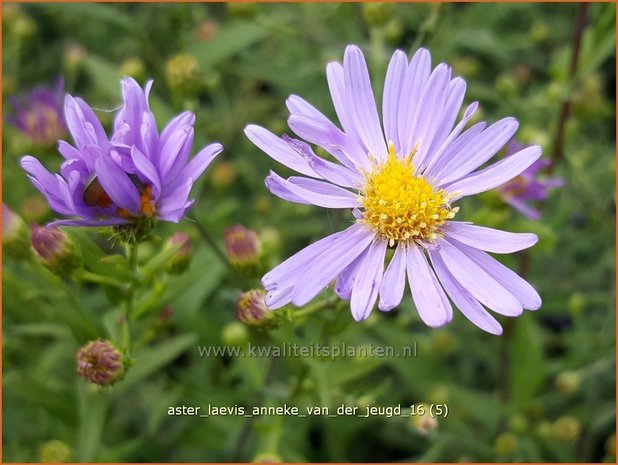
{"points": [[543, 430], [133, 67], [183, 75], [438, 394], [15, 235], [507, 85], [566, 429], [443, 342], [577, 302], [34, 209], [377, 14], [393, 31], [181, 260], [518, 424], [540, 32], [54, 451], [270, 238], [568, 382], [23, 27], [466, 66], [506, 444], [100, 362], [234, 334], [244, 10], [74, 55], [55, 249]]}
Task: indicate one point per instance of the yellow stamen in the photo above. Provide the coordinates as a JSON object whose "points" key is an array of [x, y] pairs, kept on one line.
{"points": [[401, 206]]}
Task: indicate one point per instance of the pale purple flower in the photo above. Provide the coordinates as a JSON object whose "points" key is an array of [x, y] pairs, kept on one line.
{"points": [[529, 186], [38, 114], [136, 175], [400, 180]]}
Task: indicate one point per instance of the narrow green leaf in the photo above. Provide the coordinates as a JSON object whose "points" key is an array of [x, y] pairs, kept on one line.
{"points": [[527, 366], [93, 406], [229, 41], [149, 360]]}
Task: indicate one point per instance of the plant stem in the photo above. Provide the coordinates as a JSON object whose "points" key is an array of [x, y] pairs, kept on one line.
{"points": [[565, 111], [311, 309], [132, 250], [245, 433], [212, 244]]}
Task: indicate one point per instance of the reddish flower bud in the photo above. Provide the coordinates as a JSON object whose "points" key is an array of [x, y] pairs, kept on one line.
{"points": [[100, 362]]}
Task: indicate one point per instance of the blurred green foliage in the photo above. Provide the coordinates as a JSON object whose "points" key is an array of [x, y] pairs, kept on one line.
{"points": [[544, 391]]}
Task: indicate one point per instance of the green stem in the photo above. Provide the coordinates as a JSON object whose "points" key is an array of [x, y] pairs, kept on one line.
{"points": [[311, 309], [213, 245], [132, 250], [557, 152]]}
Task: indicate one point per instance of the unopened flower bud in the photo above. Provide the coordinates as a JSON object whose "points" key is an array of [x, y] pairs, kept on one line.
{"points": [[23, 27], [243, 248], [241, 9], [393, 31], [100, 362], [377, 14], [466, 66], [566, 429], [424, 423], [183, 75], [206, 30], [74, 55], [133, 67], [543, 430], [438, 395], [234, 334], [577, 302], [223, 174], [518, 424], [540, 32], [166, 315], [507, 85], [34, 209], [54, 451], [568, 382], [443, 342], [15, 235], [252, 310], [506, 444], [181, 260], [55, 249]]}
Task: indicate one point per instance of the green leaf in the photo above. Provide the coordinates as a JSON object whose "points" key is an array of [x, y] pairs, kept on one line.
{"points": [[92, 412], [229, 41], [147, 361], [117, 266], [105, 76], [95, 12], [527, 366]]}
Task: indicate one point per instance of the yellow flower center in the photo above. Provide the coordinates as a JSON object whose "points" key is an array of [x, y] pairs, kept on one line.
{"points": [[400, 206]]}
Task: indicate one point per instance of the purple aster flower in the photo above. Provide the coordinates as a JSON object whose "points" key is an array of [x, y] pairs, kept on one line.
{"points": [[527, 187], [400, 180], [138, 175], [38, 114]]}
